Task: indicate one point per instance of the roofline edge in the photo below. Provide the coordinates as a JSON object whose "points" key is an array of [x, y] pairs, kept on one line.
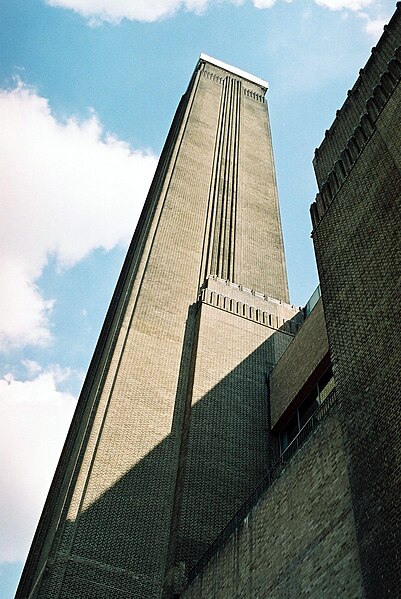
{"points": [[234, 70]]}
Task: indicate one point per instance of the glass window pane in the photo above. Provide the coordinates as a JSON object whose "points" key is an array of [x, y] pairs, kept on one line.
{"points": [[292, 428], [308, 407], [326, 385], [283, 440]]}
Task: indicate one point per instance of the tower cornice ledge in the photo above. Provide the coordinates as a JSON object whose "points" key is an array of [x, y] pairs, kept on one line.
{"points": [[251, 305], [222, 65]]}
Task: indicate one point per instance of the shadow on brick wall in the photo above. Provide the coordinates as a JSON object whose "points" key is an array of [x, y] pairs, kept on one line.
{"points": [[117, 547]]}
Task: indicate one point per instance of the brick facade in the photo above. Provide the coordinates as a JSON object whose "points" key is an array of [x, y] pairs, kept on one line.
{"points": [[283, 547], [174, 428], [120, 510], [298, 364], [358, 252], [227, 449], [299, 540]]}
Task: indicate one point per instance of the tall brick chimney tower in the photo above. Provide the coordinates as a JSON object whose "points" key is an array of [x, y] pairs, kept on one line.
{"points": [[169, 436]]}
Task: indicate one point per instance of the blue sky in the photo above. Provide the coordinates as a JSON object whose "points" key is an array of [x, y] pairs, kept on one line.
{"points": [[88, 89]]}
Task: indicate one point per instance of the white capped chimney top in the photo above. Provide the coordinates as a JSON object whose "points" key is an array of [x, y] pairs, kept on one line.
{"points": [[234, 70]]}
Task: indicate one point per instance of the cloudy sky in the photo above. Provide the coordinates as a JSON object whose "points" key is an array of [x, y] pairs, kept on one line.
{"points": [[88, 89]]}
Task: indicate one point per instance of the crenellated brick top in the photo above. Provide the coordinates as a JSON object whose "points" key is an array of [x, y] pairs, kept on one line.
{"points": [[252, 305], [249, 93], [347, 155], [349, 115]]}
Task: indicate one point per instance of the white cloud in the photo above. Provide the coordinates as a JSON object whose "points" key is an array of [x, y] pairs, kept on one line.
{"points": [[23, 311], [135, 10], [32, 367], [60, 183], [353, 5], [33, 425], [114, 11], [373, 26], [263, 3]]}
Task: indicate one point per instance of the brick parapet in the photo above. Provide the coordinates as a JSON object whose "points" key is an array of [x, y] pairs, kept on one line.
{"points": [[360, 137], [252, 305], [247, 91], [349, 115]]}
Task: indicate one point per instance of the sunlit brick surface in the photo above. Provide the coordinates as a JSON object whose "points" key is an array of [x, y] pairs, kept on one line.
{"points": [[113, 512]]}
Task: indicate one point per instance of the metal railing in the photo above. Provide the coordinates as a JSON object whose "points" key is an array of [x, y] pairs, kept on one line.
{"points": [[307, 429], [265, 483]]}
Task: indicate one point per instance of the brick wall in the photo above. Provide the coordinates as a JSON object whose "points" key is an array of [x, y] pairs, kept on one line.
{"points": [[299, 540], [299, 361], [227, 451], [358, 251]]}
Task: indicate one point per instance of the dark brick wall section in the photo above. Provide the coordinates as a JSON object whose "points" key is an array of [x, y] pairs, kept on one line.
{"points": [[348, 117], [358, 251]]}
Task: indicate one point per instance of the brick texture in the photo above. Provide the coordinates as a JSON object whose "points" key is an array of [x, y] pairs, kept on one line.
{"points": [[350, 467], [357, 247], [299, 540], [117, 492], [306, 352], [227, 451]]}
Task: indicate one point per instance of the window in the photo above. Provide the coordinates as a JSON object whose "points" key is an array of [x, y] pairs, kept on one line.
{"points": [[325, 385], [306, 409]]}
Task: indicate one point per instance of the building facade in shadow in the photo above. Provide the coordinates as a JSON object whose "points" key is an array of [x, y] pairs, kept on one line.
{"points": [[324, 522]]}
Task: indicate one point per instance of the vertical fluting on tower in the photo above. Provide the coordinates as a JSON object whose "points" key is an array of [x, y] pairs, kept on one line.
{"points": [[221, 225]]}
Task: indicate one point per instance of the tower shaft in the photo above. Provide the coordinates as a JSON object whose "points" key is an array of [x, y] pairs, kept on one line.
{"points": [[177, 381]]}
